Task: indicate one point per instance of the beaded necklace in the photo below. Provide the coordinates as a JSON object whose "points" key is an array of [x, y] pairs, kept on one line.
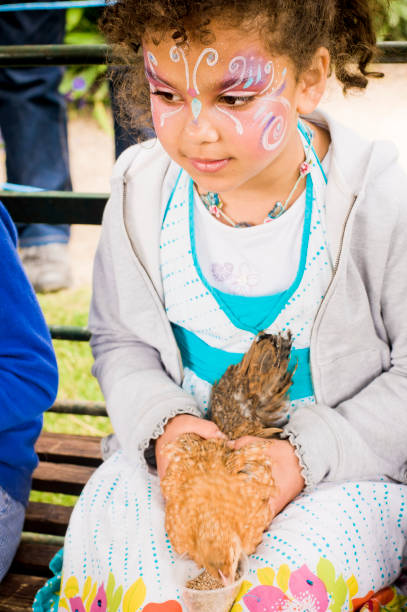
{"points": [[214, 202]]}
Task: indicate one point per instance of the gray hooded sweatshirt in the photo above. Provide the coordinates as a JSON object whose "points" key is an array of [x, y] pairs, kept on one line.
{"points": [[357, 430]]}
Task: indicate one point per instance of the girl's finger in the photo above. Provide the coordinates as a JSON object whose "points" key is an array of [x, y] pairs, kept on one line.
{"points": [[208, 430], [244, 441]]}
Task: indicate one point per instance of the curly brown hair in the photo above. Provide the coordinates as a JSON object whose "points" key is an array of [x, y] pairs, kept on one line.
{"points": [[295, 28]]}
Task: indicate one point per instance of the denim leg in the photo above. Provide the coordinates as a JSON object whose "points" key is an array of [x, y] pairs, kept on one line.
{"points": [[33, 117], [11, 524]]}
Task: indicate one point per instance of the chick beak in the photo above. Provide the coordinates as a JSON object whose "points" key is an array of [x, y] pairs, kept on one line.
{"points": [[227, 580]]}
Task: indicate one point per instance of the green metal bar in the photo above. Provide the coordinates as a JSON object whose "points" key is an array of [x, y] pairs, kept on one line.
{"points": [[392, 52], [55, 207], [54, 55], [66, 332], [75, 407], [64, 55]]}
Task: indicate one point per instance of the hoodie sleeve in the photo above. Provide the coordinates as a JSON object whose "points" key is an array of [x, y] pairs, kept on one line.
{"points": [[365, 436], [28, 369], [131, 341]]}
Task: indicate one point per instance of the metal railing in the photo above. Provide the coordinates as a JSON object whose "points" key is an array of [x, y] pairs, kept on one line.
{"points": [[390, 52]]}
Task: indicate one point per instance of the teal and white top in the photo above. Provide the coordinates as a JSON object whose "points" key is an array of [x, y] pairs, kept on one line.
{"points": [[215, 322]]}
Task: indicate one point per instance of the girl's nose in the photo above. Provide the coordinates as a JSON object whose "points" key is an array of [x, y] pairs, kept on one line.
{"points": [[199, 127]]}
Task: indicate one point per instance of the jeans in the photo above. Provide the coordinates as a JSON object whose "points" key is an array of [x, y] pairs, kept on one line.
{"points": [[33, 117], [11, 524]]}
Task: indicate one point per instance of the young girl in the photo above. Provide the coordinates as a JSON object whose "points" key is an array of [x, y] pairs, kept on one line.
{"points": [[250, 212]]}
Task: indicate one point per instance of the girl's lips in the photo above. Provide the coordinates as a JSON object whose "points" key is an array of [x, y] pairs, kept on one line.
{"points": [[209, 165]]}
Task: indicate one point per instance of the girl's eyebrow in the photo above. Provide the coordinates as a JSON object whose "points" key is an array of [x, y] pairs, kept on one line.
{"points": [[221, 86], [152, 76]]}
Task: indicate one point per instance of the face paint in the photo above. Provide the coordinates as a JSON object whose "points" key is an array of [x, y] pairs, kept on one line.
{"points": [[196, 107], [240, 94], [159, 116], [250, 74], [211, 60], [176, 53]]}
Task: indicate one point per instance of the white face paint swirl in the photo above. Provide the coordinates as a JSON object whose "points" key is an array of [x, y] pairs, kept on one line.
{"points": [[175, 54], [275, 124], [238, 124], [152, 63], [212, 57], [275, 127], [211, 60]]}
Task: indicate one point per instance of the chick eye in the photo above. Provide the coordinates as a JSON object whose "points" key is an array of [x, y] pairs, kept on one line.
{"points": [[235, 101], [168, 96]]}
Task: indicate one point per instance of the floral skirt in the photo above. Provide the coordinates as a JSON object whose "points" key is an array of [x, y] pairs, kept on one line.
{"points": [[330, 549]]}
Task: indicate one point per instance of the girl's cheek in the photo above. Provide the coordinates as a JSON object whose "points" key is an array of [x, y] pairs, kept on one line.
{"points": [[274, 125], [264, 127], [164, 116]]}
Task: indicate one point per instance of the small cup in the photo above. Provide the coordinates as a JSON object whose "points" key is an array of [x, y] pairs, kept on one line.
{"points": [[214, 600]]}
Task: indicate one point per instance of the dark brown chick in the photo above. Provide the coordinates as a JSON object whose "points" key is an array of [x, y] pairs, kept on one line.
{"points": [[218, 498], [251, 394]]}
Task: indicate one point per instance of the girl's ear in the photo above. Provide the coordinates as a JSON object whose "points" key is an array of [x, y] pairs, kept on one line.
{"points": [[312, 82]]}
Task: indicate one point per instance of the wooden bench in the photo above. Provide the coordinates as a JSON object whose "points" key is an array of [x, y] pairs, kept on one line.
{"points": [[66, 464], [66, 461]]}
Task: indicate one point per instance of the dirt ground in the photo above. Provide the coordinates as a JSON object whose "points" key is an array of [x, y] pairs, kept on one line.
{"points": [[380, 112]]}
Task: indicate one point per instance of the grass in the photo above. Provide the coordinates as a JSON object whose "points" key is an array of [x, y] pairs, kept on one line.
{"points": [[76, 382]]}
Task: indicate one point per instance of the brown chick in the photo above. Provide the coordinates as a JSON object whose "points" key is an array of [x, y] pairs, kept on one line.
{"points": [[218, 501], [218, 498], [250, 395]]}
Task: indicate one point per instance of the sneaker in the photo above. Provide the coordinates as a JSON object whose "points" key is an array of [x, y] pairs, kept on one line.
{"points": [[47, 266]]}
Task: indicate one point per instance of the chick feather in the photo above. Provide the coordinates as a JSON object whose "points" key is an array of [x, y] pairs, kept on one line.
{"points": [[218, 498]]}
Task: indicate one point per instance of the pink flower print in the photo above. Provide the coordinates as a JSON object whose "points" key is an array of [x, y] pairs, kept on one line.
{"points": [[214, 210], [265, 599], [222, 271], [308, 588], [305, 168], [307, 594], [76, 604], [99, 604]]}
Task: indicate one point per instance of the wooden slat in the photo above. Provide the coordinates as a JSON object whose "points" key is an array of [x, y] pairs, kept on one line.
{"points": [[61, 477], [17, 592], [47, 518], [67, 448], [33, 558]]}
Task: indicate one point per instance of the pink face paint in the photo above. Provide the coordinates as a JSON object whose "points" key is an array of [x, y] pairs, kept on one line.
{"points": [[254, 75], [275, 125], [159, 109]]}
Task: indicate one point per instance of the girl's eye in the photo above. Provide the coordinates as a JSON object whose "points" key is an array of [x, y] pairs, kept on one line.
{"points": [[236, 100], [168, 96]]}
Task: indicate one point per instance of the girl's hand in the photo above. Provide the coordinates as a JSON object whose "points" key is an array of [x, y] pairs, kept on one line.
{"points": [[286, 470], [180, 424]]}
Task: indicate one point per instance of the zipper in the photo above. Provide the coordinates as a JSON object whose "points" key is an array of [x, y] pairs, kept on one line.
{"points": [[334, 272]]}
